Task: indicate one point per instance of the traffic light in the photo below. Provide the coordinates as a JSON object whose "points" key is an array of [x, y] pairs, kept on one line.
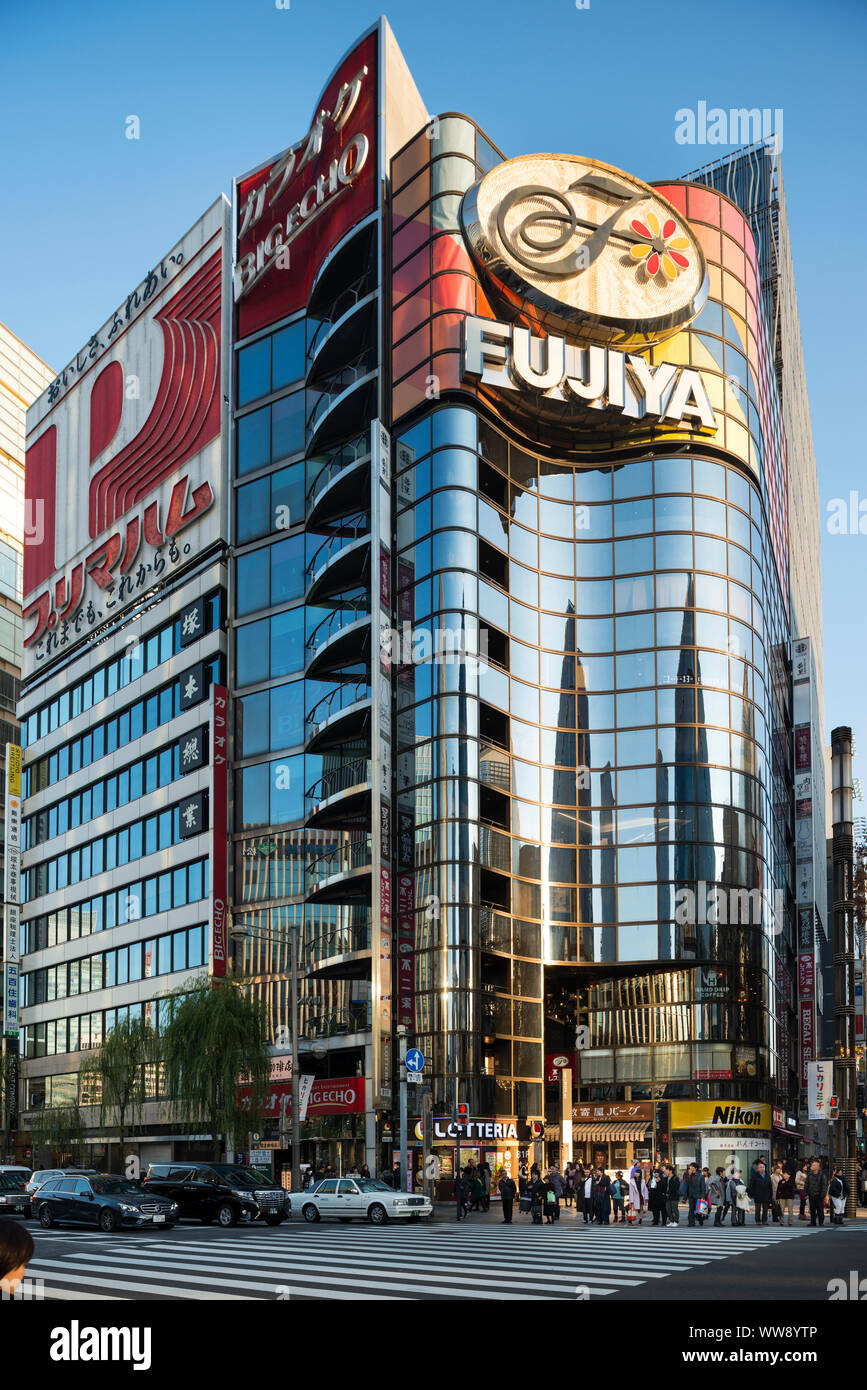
{"points": [[833, 1108], [537, 1129], [462, 1114]]}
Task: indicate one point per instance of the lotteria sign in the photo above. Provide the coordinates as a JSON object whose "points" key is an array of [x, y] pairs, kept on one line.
{"points": [[473, 1130], [702, 1114]]}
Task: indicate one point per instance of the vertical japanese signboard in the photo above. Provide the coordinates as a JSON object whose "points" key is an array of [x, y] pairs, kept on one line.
{"points": [[12, 890], [219, 713], [381, 745]]}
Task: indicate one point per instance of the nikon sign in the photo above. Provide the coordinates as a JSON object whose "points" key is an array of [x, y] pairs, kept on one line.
{"points": [[709, 1114]]}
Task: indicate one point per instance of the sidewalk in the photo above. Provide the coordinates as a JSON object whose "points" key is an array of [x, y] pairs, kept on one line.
{"points": [[444, 1213]]}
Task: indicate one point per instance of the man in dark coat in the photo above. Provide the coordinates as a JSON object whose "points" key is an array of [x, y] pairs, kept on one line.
{"points": [[657, 1195], [761, 1191], [508, 1191], [692, 1188], [673, 1194], [816, 1188]]}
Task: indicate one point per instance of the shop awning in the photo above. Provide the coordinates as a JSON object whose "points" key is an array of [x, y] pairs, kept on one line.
{"points": [[609, 1132]]}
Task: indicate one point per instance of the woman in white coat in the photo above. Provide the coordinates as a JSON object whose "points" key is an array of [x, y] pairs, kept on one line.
{"points": [[637, 1190]]}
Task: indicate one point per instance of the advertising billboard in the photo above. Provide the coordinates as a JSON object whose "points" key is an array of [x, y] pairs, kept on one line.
{"points": [[125, 455], [11, 890], [820, 1088], [292, 211]]}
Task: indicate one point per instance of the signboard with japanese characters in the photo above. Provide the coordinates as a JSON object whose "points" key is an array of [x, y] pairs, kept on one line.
{"points": [[125, 451], [219, 728], [11, 890], [192, 816], [290, 212]]}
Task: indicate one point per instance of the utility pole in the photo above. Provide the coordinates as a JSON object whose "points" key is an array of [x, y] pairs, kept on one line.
{"points": [[401, 1044], [843, 908], [296, 1063], [426, 1109]]}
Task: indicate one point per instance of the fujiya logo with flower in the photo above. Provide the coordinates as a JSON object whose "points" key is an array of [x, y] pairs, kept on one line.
{"points": [[661, 250]]}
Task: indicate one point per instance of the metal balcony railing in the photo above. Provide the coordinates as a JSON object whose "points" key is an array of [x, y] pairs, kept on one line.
{"points": [[338, 779], [338, 941], [355, 607], [352, 853], [345, 300], [354, 1019], [335, 461], [334, 386], [341, 697], [351, 527]]}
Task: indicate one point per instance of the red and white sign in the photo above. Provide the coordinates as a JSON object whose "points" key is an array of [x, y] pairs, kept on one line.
{"points": [[125, 456], [219, 726], [808, 1037], [555, 1062], [339, 1096], [290, 213], [721, 1075]]}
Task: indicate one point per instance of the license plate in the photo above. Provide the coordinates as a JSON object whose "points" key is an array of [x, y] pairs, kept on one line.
{"points": [[157, 1219]]}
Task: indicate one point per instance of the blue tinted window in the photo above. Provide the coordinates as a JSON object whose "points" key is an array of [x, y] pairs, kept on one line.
{"points": [[287, 491], [288, 354], [251, 652], [287, 425], [254, 440], [287, 715], [287, 642], [251, 581], [254, 371], [253, 796], [253, 724], [287, 789], [253, 517], [287, 569]]}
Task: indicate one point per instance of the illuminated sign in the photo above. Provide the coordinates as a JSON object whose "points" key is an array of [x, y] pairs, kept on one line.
{"points": [[704, 1114]]}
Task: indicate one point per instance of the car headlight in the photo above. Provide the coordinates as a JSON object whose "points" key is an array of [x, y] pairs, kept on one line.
{"points": [[242, 1196], [125, 1206], [2, 1201], [173, 1207]]}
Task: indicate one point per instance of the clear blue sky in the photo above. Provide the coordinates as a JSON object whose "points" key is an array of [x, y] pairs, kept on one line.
{"points": [[220, 84]]}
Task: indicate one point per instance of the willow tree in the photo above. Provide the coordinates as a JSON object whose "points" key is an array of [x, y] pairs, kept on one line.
{"points": [[116, 1074], [59, 1129], [217, 1063]]}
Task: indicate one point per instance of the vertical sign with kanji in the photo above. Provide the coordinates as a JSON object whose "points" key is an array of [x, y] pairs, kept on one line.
{"points": [[12, 890], [219, 707]]}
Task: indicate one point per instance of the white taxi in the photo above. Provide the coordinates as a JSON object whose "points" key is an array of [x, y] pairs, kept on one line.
{"points": [[365, 1198]]}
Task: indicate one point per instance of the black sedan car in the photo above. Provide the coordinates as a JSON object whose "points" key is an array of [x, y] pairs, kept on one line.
{"points": [[14, 1197], [104, 1200]]}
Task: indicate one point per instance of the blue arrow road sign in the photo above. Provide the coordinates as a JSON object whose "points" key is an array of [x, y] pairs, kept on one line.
{"points": [[414, 1060]]}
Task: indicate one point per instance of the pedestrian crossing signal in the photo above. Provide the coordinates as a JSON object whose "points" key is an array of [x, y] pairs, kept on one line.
{"points": [[462, 1114], [833, 1107]]}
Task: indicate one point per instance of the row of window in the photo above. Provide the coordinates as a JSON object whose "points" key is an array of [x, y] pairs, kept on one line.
{"points": [[108, 793], [270, 363], [144, 898], [105, 852], [139, 718], [87, 1031], [271, 433], [161, 955], [151, 651]]}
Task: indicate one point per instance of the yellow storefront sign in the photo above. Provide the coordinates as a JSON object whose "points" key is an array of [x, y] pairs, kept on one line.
{"points": [[13, 769], [723, 1114]]}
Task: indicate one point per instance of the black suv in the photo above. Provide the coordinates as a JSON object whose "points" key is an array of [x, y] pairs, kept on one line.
{"points": [[274, 1204], [202, 1191]]}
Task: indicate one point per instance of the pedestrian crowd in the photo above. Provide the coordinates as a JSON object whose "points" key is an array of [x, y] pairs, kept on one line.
{"points": [[782, 1194]]}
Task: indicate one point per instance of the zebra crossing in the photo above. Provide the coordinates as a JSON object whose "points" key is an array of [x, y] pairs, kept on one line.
{"points": [[361, 1264]]}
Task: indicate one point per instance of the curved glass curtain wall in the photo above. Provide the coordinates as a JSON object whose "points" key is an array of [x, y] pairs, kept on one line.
{"points": [[617, 744]]}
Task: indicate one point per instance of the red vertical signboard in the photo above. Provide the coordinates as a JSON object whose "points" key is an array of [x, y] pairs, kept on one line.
{"points": [[219, 710]]}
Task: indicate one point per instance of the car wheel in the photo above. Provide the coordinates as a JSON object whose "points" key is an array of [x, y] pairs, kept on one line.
{"points": [[108, 1221], [310, 1213], [226, 1215], [273, 1220], [46, 1217], [377, 1214]]}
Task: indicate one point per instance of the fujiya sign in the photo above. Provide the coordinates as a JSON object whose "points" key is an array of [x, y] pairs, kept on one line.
{"points": [[554, 370]]}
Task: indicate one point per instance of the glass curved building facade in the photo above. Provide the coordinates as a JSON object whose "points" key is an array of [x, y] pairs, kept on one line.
{"points": [[513, 737]]}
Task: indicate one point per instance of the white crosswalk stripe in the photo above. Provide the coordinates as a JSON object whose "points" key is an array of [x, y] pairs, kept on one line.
{"points": [[358, 1263]]}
